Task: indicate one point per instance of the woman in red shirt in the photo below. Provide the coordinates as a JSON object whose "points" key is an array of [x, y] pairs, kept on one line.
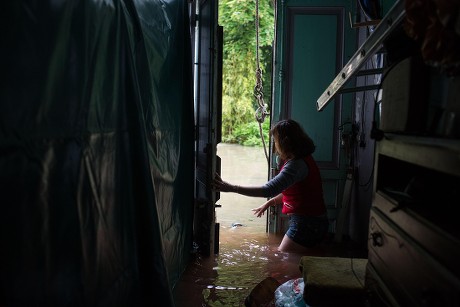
{"points": [[297, 187]]}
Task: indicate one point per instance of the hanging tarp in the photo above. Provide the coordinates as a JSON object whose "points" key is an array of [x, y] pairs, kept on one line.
{"points": [[96, 152]]}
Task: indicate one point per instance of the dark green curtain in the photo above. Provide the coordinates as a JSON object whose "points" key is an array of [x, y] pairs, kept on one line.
{"points": [[96, 152]]}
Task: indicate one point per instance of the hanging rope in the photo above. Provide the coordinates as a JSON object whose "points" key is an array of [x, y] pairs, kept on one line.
{"points": [[261, 111]]}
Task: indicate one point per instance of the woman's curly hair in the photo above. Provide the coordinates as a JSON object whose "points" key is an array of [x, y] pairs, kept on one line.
{"points": [[292, 139]]}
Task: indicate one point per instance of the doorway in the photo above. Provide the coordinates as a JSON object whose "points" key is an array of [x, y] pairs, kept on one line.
{"points": [[248, 30]]}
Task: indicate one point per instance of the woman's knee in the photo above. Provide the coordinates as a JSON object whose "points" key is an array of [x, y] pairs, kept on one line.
{"points": [[288, 245]]}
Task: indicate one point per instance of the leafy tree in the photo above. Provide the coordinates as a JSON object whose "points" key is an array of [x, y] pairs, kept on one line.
{"points": [[239, 65]]}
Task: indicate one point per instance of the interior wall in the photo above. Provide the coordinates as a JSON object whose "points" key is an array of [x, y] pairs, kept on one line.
{"points": [[302, 71]]}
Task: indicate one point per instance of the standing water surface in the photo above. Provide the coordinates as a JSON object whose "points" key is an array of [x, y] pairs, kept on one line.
{"points": [[247, 254]]}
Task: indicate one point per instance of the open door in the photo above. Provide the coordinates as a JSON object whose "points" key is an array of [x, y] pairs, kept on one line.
{"points": [[208, 102], [314, 39]]}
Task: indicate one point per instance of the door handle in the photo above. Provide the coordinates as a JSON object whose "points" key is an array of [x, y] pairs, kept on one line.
{"points": [[377, 239]]}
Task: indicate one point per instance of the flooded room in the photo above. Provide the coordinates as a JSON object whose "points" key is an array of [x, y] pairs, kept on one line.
{"points": [[230, 153]]}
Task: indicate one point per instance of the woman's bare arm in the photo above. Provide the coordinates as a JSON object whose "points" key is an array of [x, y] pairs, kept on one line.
{"points": [[224, 186]]}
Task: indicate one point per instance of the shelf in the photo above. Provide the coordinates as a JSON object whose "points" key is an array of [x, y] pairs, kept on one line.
{"points": [[372, 44], [418, 222], [434, 153]]}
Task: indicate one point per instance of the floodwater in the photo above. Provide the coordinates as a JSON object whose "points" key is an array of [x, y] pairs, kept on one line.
{"points": [[245, 166], [247, 253], [228, 278]]}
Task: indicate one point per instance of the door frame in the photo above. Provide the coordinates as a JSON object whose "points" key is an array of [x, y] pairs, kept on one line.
{"points": [[208, 108]]}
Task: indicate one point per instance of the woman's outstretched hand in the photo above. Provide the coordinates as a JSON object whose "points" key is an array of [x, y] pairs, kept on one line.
{"points": [[259, 211], [222, 186]]}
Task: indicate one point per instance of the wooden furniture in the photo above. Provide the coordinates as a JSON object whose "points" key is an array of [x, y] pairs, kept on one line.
{"points": [[414, 238], [414, 233], [414, 229]]}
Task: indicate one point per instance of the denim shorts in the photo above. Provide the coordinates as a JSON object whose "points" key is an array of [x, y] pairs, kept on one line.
{"points": [[307, 230]]}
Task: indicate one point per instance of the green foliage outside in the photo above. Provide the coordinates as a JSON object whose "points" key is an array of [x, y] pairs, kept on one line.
{"points": [[239, 66], [249, 133]]}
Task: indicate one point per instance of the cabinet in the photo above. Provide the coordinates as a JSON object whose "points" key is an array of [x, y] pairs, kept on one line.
{"points": [[414, 227], [414, 232]]}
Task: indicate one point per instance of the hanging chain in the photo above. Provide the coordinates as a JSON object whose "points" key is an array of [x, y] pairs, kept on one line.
{"points": [[261, 111]]}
